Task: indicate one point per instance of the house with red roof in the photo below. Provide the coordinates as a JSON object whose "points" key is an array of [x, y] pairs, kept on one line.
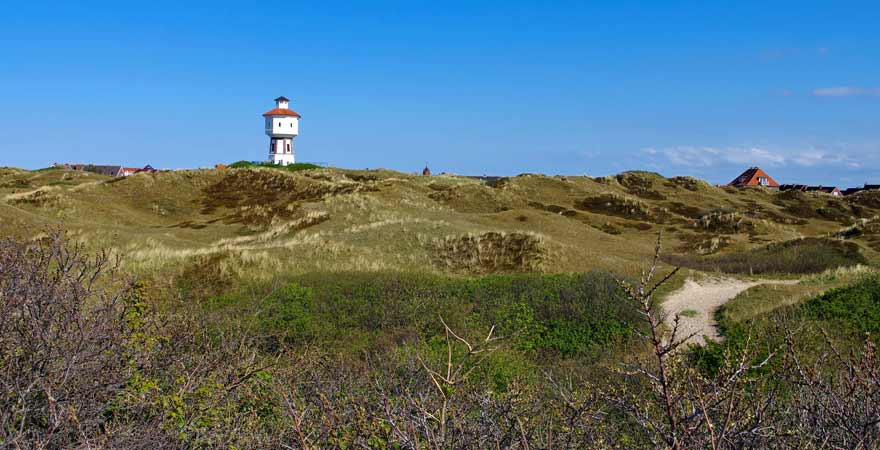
{"points": [[754, 176]]}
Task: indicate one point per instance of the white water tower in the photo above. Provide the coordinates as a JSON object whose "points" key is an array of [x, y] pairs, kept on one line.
{"points": [[282, 125]]}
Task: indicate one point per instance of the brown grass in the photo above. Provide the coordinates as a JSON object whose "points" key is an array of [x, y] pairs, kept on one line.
{"points": [[491, 252], [620, 206]]}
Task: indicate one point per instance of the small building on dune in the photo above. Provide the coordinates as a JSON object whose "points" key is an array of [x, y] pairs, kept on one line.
{"points": [[113, 171], [830, 190], [754, 176]]}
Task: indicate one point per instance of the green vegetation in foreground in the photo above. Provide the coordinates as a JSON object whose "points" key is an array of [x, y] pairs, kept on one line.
{"points": [[354, 360], [850, 309], [564, 315], [295, 167], [842, 303], [688, 313], [799, 256]]}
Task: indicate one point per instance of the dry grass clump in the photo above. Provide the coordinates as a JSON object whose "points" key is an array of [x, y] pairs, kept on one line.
{"points": [[865, 229], [870, 199], [690, 183], [41, 197], [491, 252], [612, 204], [775, 217], [555, 209], [472, 198], [260, 197], [725, 223], [861, 227], [15, 183], [689, 211], [846, 273], [702, 244], [278, 230], [806, 205], [640, 185], [500, 183], [7, 171], [608, 228]]}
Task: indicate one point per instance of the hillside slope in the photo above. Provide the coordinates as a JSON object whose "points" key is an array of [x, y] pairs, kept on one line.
{"points": [[263, 222]]}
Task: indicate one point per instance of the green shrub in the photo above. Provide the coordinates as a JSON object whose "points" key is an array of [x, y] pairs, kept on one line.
{"points": [[566, 315], [688, 313], [853, 308], [296, 167]]}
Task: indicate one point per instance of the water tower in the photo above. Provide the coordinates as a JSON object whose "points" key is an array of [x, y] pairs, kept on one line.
{"points": [[282, 125]]}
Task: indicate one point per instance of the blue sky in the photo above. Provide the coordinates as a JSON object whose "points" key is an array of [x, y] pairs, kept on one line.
{"points": [[681, 88]]}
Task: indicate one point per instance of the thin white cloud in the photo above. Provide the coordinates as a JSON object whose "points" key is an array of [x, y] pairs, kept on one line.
{"points": [[816, 157], [713, 156], [755, 156], [846, 91]]}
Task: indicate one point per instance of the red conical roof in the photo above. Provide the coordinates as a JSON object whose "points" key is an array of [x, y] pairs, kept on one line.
{"points": [[281, 112]]}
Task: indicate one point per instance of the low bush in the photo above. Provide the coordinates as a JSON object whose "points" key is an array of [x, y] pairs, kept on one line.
{"points": [[725, 223], [611, 204], [854, 308], [565, 315], [800, 256], [640, 185], [490, 252]]}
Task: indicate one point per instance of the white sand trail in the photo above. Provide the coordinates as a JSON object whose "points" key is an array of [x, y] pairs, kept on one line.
{"points": [[704, 297]]}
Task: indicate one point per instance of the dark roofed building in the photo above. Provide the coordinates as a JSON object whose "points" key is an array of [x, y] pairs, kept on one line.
{"points": [[866, 187], [113, 171], [830, 190]]}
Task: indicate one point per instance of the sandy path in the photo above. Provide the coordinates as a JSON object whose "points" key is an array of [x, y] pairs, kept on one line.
{"points": [[705, 297]]}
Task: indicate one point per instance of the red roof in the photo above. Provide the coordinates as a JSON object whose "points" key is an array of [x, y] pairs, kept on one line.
{"points": [[754, 176], [281, 112]]}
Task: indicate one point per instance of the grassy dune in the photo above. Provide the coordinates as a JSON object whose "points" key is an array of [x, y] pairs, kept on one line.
{"points": [[261, 222]]}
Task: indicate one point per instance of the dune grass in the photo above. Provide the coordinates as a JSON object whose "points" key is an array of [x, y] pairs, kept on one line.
{"points": [[800, 256], [384, 220]]}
